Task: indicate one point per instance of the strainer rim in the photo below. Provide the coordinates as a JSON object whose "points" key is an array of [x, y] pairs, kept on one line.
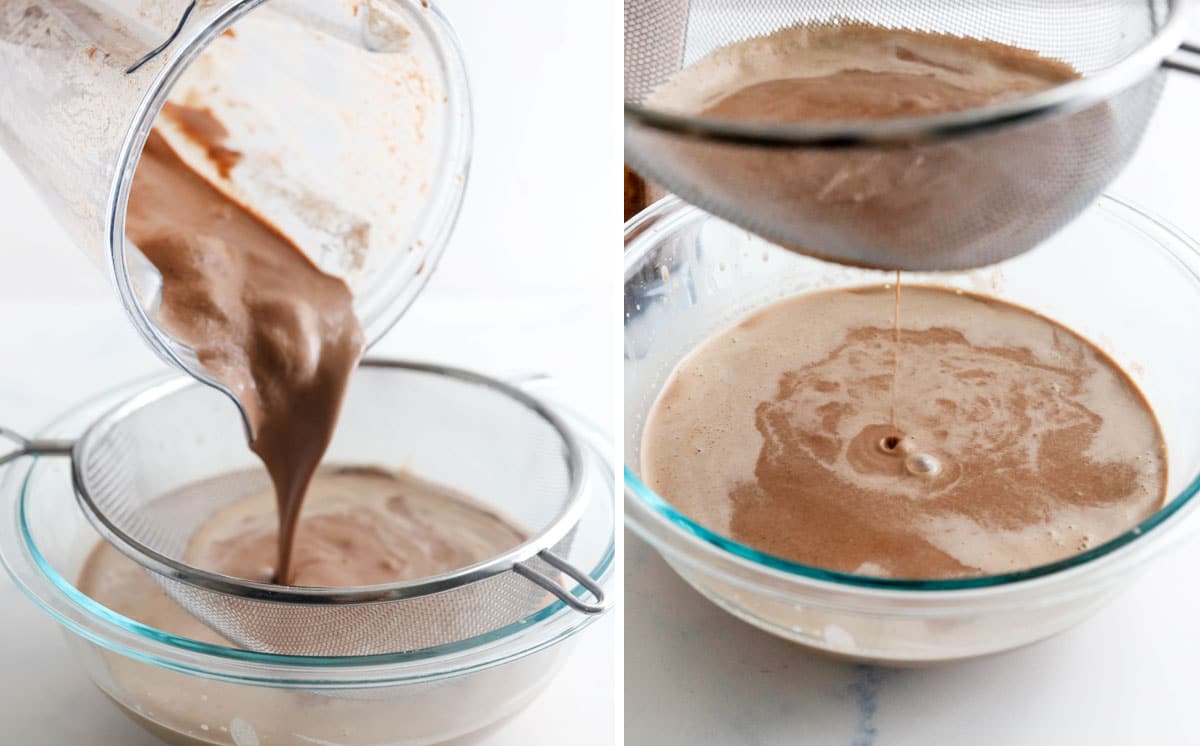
{"points": [[162, 565], [78, 614], [1062, 99]]}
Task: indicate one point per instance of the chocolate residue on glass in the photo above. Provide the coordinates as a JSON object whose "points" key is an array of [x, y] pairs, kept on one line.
{"points": [[204, 129]]}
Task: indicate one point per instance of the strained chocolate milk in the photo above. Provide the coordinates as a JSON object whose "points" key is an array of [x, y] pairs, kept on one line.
{"points": [[1013, 441]]}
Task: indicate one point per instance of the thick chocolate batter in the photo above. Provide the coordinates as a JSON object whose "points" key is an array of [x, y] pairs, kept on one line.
{"points": [[260, 316], [1012, 443]]}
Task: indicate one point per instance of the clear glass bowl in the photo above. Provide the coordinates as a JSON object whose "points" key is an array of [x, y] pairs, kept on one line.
{"points": [[1122, 279], [192, 692]]}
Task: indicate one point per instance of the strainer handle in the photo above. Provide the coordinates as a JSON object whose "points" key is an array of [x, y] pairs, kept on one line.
{"points": [[27, 447], [1186, 59], [552, 585]]}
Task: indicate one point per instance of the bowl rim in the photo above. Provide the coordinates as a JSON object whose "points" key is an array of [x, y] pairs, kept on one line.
{"points": [[1067, 98], [94, 622], [643, 232]]}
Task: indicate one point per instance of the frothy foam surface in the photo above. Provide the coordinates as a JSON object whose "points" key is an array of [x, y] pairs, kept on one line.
{"points": [[841, 72], [1016, 442]]}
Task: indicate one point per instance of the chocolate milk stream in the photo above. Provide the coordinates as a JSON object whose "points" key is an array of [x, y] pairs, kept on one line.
{"points": [[262, 319], [896, 352]]}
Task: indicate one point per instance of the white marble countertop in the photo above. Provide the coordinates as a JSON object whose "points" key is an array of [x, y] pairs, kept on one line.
{"points": [[518, 290], [694, 674]]}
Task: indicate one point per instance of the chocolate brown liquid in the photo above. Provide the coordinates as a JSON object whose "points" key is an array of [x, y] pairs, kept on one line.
{"points": [[281, 334], [360, 526], [857, 73], [896, 341], [896, 199], [1016, 443], [848, 95]]}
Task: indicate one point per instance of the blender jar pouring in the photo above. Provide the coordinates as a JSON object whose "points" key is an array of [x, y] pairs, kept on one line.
{"points": [[347, 126]]}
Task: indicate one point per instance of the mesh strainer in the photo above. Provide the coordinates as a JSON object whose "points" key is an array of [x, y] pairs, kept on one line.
{"points": [[952, 191], [479, 436]]}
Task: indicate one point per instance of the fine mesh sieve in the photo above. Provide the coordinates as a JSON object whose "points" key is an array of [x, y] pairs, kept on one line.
{"points": [[952, 191], [481, 437]]}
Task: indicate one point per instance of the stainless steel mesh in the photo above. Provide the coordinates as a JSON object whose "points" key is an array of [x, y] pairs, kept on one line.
{"points": [[151, 472], [989, 184]]}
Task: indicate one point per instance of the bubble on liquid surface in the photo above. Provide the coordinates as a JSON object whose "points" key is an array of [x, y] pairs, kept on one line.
{"points": [[922, 465], [837, 638], [243, 733]]}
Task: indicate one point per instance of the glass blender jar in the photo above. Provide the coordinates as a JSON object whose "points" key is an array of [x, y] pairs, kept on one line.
{"points": [[351, 123]]}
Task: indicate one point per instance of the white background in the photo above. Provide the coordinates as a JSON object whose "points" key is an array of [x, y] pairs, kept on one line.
{"points": [[1127, 676], [527, 284]]}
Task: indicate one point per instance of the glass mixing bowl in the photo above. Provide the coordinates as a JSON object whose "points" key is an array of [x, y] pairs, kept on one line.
{"points": [[191, 692], [1124, 280]]}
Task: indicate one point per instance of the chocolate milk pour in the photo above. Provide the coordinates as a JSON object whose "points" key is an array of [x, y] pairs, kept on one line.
{"points": [[281, 334], [1019, 443], [896, 343]]}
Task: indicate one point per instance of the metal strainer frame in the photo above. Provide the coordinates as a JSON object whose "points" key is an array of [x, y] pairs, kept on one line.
{"points": [[1067, 98], [516, 560], [987, 203]]}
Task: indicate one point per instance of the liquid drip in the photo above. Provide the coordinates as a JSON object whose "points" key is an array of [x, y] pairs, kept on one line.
{"points": [[896, 351]]}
